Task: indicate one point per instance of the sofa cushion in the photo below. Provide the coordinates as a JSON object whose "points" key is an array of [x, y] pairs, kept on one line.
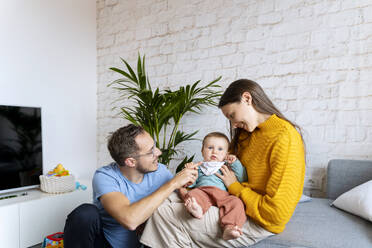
{"points": [[317, 224], [305, 198], [343, 175], [357, 201]]}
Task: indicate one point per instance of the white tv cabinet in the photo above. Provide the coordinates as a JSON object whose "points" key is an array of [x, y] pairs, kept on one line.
{"points": [[26, 220]]}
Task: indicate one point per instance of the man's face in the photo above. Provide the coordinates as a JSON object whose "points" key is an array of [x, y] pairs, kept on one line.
{"points": [[147, 154]]}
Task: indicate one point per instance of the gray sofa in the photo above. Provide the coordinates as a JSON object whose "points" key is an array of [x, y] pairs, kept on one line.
{"points": [[317, 224]]}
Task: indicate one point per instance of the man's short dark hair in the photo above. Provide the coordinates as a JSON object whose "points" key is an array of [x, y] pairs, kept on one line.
{"points": [[122, 143]]}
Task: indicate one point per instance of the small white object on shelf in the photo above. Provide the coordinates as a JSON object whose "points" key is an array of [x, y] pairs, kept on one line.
{"points": [[56, 185]]}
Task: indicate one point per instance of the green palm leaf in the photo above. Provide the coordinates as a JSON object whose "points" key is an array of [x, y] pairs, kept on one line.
{"points": [[160, 112]]}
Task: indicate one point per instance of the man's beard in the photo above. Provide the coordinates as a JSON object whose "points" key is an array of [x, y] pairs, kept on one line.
{"points": [[143, 169]]}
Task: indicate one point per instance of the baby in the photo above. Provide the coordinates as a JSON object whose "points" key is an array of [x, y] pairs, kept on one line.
{"points": [[209, 190]]}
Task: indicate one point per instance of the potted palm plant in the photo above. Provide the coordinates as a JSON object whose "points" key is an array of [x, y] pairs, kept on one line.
{"points": [[160, 112]]}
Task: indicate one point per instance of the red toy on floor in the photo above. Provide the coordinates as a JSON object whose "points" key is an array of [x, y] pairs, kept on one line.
{"points": [[54, 240]]}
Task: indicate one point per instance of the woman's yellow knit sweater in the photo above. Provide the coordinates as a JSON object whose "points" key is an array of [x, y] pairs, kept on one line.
{"points": [[275, 162]]}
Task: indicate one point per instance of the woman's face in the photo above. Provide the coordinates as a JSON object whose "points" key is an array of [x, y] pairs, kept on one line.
{"points": [[242, 114]]}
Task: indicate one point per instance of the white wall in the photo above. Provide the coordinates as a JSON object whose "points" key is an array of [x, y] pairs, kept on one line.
{"points": [[313, 58], [48, 59]]}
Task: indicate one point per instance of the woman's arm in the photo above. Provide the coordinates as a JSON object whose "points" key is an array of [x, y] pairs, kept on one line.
{"points": [[274, 208]]}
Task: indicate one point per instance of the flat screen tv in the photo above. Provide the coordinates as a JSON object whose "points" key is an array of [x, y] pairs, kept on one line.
{"points": [[21, 161]]}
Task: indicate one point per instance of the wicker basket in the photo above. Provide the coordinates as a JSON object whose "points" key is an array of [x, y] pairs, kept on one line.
{"points": [[57, 185]]}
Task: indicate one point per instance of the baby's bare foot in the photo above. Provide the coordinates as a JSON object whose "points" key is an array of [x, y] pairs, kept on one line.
{"points": [[231, 232], [194, 208]]}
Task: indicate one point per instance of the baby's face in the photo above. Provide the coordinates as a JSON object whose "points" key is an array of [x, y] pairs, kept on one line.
{"points": [[215, 149]]}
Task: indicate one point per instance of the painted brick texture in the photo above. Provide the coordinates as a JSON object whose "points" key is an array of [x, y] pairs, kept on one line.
{"points": [[313, 58]]}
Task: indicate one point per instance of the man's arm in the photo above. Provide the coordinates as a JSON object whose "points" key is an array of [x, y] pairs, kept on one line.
{"points": [[132, 215]]}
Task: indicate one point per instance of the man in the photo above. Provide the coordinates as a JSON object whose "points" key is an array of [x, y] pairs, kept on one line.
{"points": [[127, 191]]}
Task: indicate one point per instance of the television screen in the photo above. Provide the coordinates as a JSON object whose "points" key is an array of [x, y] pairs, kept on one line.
{"points": [[21, 160]]}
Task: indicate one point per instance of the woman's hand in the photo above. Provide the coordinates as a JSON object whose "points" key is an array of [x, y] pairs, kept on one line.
{"points": [[228, 176]]}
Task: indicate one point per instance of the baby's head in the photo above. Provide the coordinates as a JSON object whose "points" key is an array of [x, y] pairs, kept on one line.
{"points": [[215, 147]]}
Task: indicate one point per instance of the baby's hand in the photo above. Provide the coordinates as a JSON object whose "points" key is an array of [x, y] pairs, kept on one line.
{"points": [[230, 158]]}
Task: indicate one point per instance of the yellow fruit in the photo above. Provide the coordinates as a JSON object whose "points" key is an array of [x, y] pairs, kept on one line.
{"points": [[59, 168]]}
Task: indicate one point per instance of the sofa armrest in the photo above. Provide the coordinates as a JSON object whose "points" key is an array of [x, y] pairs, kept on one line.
{"points": [[344, 174]]}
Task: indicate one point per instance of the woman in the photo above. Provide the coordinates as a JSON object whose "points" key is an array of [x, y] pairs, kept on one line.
{"points": [[272, 151]]}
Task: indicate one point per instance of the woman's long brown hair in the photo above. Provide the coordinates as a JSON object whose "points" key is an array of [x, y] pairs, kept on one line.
{"points": [[260, 101]]}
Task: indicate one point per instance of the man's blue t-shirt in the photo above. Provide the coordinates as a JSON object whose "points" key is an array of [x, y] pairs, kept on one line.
{"points": [[110, 179]]}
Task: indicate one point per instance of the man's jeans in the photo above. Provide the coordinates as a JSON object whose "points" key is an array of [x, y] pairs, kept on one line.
{"points": [[83, 228]]}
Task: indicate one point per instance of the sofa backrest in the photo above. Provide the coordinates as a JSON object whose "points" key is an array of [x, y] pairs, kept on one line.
{"points": [[344, 174]]}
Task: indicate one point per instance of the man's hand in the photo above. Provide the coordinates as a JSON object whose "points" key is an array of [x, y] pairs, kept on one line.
{"points": [[193, 165], [187, 175], [228, 176], [230, 158]]}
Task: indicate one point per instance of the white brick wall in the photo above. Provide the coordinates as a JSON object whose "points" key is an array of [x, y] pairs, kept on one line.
{"points": [[314, 59]]}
